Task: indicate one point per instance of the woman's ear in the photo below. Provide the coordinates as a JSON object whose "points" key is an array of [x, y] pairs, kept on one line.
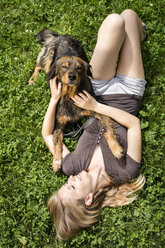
{"points": [[89, 199]]}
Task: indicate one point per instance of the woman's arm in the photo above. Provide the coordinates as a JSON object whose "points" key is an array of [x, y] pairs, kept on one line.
{"points": [[131, 122], [49, 119]]}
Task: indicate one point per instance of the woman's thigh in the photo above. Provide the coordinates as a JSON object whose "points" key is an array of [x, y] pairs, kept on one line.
{"points": [[130, 60], [110, 39]]}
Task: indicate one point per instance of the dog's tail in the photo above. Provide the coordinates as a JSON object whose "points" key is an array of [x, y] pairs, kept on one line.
{"points": [[45, 35]]}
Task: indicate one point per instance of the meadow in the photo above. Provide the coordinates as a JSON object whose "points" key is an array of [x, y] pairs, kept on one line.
{"points": [[26, 177]]}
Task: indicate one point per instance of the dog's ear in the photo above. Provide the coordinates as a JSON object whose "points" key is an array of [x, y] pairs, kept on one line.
{"points": [[89, 72], [45, 34], [88, 69], [52, 72]]}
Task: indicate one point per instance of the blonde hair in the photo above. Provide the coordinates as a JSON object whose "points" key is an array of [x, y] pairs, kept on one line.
{"points": [[71, 217]]}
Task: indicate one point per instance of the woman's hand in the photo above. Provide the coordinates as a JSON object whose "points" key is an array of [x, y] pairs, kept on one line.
{"points": [[55, 89], [85, 100]]}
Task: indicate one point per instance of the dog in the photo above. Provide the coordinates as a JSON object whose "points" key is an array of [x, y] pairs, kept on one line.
{"points": [[65, 58], [54, 47]]}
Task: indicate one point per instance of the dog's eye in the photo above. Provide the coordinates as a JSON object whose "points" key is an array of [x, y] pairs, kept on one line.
{"points": [[78, 67], [64, 67]]}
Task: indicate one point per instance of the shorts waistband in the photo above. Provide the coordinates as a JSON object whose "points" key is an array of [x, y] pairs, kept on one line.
{"points": [[120, 84]]}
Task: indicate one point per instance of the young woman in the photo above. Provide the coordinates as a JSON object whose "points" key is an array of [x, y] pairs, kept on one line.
{"points": [[97, 179]]}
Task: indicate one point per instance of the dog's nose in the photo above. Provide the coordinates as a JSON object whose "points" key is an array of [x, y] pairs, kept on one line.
{"points": [[72, 76]]}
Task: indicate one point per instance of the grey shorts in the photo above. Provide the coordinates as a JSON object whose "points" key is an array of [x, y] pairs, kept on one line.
{"points": [[119, 85]]}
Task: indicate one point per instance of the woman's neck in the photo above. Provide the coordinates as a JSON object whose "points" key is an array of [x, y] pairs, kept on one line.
{"points": [[103, 180], [100, 178], [96, 168]]}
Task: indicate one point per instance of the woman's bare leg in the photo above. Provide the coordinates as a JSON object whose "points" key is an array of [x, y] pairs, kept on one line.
{"points": [[110, 39], [130, 59]]}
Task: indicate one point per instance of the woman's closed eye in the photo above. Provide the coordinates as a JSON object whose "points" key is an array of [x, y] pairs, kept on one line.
{"points": [[70, 186]]}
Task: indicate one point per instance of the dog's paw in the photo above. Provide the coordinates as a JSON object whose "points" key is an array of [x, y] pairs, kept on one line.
{"points": [[117, 151], [115, 148], [56, 165], [31, 81]]}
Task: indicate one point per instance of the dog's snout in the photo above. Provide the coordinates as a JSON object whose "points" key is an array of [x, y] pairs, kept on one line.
{"points": [[72, 76]]}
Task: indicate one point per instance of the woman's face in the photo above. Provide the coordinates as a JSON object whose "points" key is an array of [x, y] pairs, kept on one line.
{"points": [[77, 187]]}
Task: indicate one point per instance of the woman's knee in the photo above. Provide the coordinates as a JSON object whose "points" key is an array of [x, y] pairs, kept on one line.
{"points": [[128, 15], [114, 21]]}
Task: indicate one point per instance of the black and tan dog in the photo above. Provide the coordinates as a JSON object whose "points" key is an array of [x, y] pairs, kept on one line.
{"points": [[64, 57], [54, 47]]}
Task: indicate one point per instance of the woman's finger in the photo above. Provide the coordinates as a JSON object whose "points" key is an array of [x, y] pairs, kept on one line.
{"points": [[59, 87], [53, 82], [82, 96], [86, 93], [78, 98]]}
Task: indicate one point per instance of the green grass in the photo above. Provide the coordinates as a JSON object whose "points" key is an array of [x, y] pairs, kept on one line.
{"points": [[27, 180]]}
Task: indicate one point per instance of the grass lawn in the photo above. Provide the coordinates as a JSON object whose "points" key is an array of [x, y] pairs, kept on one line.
{"points": [[27, 180]]}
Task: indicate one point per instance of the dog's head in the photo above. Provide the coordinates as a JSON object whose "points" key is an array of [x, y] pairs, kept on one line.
{"points": [[73, 73]]}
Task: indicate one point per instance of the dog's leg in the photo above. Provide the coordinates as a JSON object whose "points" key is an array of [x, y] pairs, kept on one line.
{"points": [[57, 156], [34, 75], [107, 124]]}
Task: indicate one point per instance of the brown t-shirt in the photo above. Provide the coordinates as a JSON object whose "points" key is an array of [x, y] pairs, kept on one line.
{"points": [[120, 170]]}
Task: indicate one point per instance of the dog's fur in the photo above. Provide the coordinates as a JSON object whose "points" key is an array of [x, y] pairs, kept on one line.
{"points": [[54, 47], [64, 57]]}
